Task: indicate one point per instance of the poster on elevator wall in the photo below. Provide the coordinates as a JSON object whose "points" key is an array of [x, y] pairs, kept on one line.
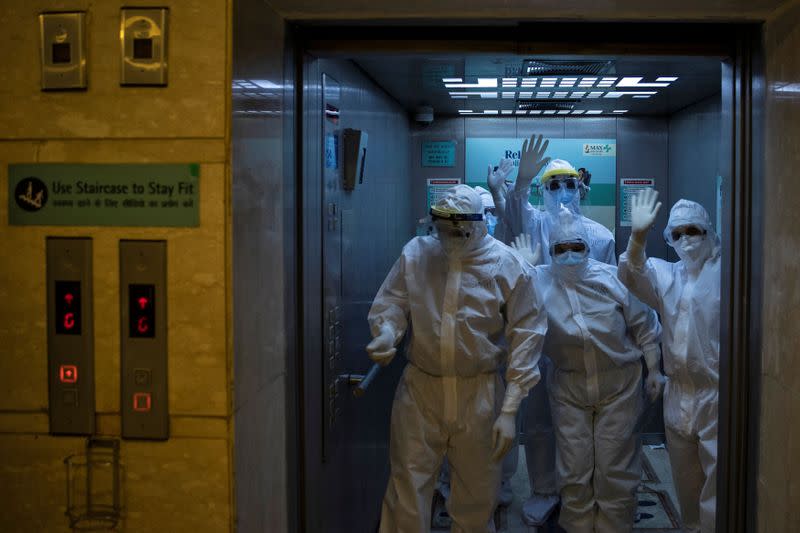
{"points": [[628, 187], [104, 195], [437, 188], [596, 156]]}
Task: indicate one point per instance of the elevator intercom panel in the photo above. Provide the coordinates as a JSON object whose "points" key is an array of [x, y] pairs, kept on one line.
{"points": [[62, 43], [143, 300], [70, 336], [143, 45]]}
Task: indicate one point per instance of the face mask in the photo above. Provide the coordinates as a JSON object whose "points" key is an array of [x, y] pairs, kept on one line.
{"points": [[570, 258], [692, 249], [491, 222]]}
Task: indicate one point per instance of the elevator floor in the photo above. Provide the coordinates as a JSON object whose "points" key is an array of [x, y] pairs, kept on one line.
{"points": [[657, 510]]}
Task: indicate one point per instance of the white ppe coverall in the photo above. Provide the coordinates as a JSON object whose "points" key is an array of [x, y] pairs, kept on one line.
{"points": [[686, 295], [465, 313], [521, 217], [597, 332]]}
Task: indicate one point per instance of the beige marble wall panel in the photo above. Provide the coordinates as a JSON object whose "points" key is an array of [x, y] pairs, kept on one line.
{"points": [[179, 485], [196, 303], [779, 470], [192, 105]]}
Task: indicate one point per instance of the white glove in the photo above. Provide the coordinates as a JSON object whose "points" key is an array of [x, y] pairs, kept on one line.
{"points": [[643, 212], [654, 384], [381, 349], [496, 180], [522, 244], [531, 162], [503, 433]]}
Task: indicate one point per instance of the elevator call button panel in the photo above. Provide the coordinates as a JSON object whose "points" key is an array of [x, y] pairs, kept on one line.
{"points": [[63, 48], [70, 339], [143, 310], [143, 44]]}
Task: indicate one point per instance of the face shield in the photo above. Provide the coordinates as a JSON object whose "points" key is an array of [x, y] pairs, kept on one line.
{"points": [[455, 231]]}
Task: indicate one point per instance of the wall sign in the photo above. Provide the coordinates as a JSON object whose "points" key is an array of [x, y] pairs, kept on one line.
{"points": [[439, 154], [628, 187], [104, 195]]}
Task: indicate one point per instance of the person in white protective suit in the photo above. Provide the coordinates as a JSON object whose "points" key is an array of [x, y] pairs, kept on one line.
{"points": [[468, 302], [561, 187], [687, 296], [597, 333], [505, 494]]}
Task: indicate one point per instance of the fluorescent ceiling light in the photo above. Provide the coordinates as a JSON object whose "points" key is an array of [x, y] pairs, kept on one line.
{"points": [[619, 94], [483, 83], [635, 82], [487, 94], [452, 80]]}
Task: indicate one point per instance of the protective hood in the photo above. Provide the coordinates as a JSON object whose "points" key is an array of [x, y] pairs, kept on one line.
{"points": [[692, 250]]}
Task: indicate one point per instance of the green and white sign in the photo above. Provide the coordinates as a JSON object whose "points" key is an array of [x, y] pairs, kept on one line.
{"points": [[439, 154], [104, 195]]}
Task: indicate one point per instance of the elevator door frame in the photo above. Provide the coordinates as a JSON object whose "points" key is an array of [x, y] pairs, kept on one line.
{"points": [[742, 119]]}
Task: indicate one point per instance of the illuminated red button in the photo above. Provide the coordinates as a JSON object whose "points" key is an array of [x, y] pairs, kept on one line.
{"points": [[68, 373], [141, 402]]}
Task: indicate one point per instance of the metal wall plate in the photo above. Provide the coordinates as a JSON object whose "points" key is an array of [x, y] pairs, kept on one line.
{"points": [[62, 38], [143, 46]]}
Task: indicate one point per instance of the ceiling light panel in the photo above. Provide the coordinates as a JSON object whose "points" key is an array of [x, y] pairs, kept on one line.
{"points": [[483, 83]]}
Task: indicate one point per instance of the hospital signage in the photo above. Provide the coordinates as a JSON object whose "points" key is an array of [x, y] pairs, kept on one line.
{"points": [[104, 195]]}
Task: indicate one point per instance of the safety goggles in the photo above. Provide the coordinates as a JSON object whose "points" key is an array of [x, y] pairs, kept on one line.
{"points": [[569, 184], [572, 246], [690, 231]]}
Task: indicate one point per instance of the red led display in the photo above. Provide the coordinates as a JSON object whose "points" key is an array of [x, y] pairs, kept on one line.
{"points": [[68, 307], [141, 402], [68, 373], [141, 310]]}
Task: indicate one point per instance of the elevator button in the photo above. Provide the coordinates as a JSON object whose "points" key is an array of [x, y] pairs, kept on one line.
{"points": [[68, 374], [142, 402]]}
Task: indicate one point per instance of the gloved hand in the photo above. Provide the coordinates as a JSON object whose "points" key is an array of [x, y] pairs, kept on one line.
{"points": [[643, 213], [503, 433], [496, 180], [531, 162], [522, 244], [654, 384], [381, 349]]}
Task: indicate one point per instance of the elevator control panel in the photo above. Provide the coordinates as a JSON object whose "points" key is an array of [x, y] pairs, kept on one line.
{"points": [[143, 44], [62, 41], [143, 296], [70, 341]]}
